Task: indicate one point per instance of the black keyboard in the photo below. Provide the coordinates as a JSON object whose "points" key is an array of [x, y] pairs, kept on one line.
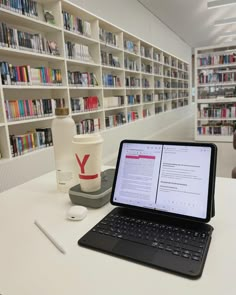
{"points": [[178, 241]]}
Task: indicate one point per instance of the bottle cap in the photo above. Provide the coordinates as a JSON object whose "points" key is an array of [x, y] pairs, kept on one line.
{"points": [[62, 111]]}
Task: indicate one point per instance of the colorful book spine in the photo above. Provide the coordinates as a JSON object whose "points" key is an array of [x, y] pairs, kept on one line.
{"points": [[26, 75], [76, 24], [23, 109], [81, 104], [30, 141], [87, 126]]}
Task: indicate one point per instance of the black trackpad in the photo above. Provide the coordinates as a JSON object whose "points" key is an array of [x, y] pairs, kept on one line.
{"points": [[134, 251]]}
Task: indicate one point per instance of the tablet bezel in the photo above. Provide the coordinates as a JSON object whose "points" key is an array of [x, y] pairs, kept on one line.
{"points": [[211, 187]]}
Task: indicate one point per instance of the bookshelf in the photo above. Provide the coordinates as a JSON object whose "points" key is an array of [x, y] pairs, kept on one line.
{"points": [[105, 75], [215, 93]]}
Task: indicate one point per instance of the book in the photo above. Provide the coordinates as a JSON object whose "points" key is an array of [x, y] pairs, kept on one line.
{"points": [[53, 48], [49, 17]]}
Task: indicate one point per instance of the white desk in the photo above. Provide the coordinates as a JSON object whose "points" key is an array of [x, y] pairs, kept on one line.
{"points": [[31, 265]]}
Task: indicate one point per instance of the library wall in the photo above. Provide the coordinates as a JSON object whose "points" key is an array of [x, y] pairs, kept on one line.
{"points": [[135, 19]]}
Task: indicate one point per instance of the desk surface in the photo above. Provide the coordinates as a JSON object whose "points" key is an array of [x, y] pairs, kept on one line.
{"points": [[31, 265]]}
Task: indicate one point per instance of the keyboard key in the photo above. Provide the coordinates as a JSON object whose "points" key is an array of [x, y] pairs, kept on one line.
{"points": [[185, 255], [196, 258], [175, 240]]}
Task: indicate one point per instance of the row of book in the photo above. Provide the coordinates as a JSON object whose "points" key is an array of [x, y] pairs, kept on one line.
{"points": [[205, 93], [217, 59], [26, 75], [158, 109], [145, 52], [108, 37], [182, 75], [157, 70], [166, 60], [158, 84], [76, 24], [133, 99], [173, 63], [183, 94], [182, 85], [109, 59], [83, 104], [214, 77], [165, 96], [218, 111], [30, 141], [146, 113], [147, 97], [132, 116], [146, 83], [157, 56], [174, 104], [182, 67], [166, 84], [113, 101], [109, 80], [17, 39], [166, 72], [174, 74], [83, 79], [130, 64], [132, 81], [115, 120], [131, 46], [213, 129], [78, 51], [87, 126], [21, 109], [25, 7], [158, 97], [146, 68]]}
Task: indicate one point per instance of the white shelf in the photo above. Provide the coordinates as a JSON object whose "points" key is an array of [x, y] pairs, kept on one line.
{"points": [[86, 112], [14, 52], [112, 68], [81, 62], [109, 46], [114, 108], [217, 66], [204, 106], [224, 84], [132, 71], [71, 87], [217, 100], [217, 138], [30, 87], [26, 21], [127, 52], [134, 105], [216, 119], [113, 88], [30, 120], [79, 38], [17, 56]]}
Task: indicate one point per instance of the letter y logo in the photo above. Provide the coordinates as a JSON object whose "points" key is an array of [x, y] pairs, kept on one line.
{"points": [[82, 164]]}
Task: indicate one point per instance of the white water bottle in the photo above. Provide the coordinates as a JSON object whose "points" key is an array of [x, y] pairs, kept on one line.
{"points": [[63, 130]]}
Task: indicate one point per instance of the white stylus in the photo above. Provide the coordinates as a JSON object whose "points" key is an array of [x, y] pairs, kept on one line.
{"points": [[53, 241]]}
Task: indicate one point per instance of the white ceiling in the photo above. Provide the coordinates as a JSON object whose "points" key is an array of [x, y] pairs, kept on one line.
{"points": [[192, 21]]}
